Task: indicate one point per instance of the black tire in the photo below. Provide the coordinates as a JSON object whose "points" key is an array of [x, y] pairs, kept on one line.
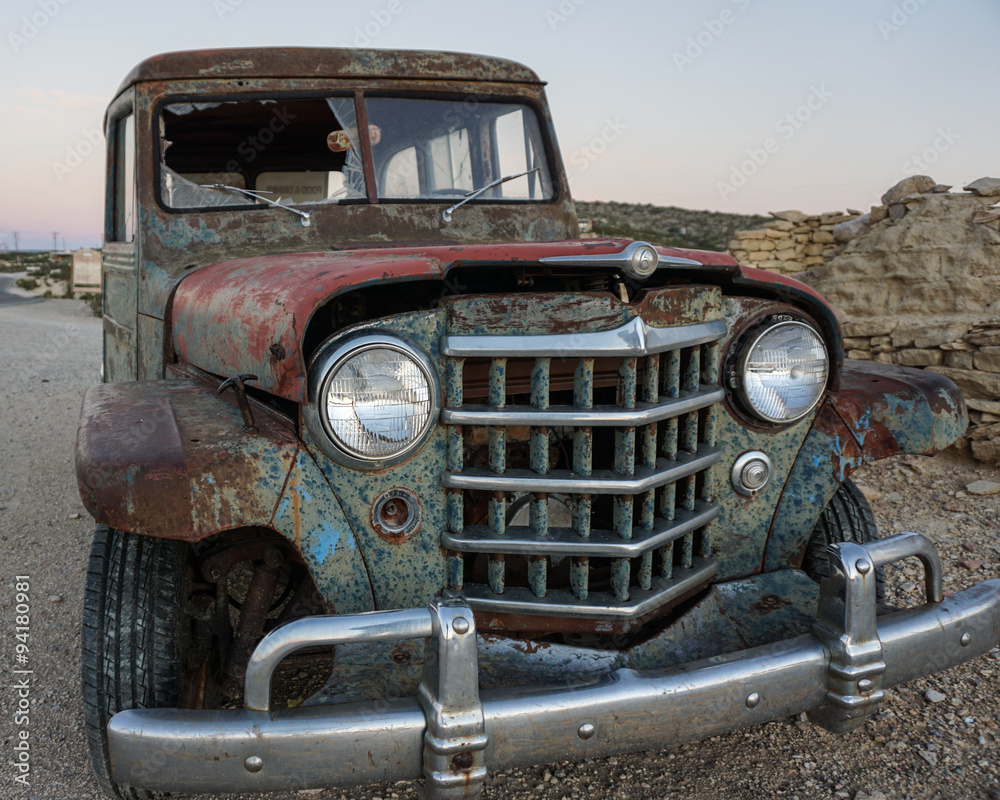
{"points": [[131, 651], [846, 518]]}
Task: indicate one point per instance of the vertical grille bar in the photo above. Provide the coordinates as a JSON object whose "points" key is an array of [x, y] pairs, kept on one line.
{"points": [[710, 376], [671, 366], [455, 562], [496, 568], [583, 464], [539, 458], [624, 464], [650, 392]]}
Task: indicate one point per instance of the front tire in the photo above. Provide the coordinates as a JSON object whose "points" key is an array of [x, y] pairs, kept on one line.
{"points": [[847, 518], [131, 654]]}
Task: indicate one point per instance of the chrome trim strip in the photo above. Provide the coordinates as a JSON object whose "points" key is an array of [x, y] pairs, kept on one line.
{"points": [[598, 416], [599, 605], [178, 750], [619, 259], [567, 542], [601, 482], [635, 338]]}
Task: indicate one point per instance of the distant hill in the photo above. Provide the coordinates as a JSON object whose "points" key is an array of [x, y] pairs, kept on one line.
{"points": [[666, 225]]}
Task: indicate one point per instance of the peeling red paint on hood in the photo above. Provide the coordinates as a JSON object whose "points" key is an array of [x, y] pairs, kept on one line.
{"points": [[249, 315]]}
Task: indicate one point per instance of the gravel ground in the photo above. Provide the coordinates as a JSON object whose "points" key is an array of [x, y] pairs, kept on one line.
{"points": [[938, 738]]}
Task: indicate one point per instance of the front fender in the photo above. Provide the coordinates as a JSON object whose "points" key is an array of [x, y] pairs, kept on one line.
{"points": [[881, 410], [170, 458]]}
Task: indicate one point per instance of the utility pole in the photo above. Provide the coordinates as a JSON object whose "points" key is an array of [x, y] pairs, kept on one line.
{"points": [[55, 244], [17, 253]]}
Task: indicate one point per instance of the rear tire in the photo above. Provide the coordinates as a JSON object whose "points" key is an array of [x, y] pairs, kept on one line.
{"points": [[131, 652], [847, 518]]}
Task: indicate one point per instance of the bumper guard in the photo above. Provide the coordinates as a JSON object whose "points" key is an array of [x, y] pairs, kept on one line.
{"points": [[447, 735]]}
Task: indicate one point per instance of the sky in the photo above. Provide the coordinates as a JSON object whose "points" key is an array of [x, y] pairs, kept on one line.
{"points": [[744, 106]]}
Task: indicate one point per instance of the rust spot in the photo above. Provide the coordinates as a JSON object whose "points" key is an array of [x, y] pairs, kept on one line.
{"points": [[399, 655], [769, 603], [461, 762], [277, 351]]}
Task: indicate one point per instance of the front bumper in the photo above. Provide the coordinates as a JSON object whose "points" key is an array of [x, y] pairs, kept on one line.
{"points": [[450, 732]]}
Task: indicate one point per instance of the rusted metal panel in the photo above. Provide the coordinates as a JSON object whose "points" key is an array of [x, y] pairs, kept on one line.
{"points": [[326, 62], [171, 458], [881, 410]]}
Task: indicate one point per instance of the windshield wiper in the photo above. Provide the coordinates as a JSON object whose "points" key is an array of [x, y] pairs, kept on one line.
{"points": [[306, 220], [446, 214]]}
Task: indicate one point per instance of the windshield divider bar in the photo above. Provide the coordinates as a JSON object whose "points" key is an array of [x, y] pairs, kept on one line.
{"points": [[366, 146]]}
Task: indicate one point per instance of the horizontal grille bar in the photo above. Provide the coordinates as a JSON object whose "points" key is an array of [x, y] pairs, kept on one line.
{"points": [[599, 605], [517, 540], [598, 416], [633, 339], [599, 482]]}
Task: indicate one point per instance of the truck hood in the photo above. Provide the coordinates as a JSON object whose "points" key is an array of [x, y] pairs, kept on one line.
{"points": [[249, 315]]}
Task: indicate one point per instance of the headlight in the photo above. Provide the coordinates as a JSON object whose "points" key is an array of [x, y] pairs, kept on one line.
{"points": [[374, 396], [783, 372]]}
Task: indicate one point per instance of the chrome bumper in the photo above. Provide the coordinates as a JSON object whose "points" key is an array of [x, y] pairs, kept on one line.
{"points": [[449, 733]]}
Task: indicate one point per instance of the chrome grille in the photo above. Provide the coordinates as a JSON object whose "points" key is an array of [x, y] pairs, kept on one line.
{"points": [[639, 529]]}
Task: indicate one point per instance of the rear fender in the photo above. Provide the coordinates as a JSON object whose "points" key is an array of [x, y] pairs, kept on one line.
{"points": [[170, 458], [881, 410]]}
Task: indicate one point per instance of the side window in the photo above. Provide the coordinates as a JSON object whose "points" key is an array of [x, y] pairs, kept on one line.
{"points": [[124, 176]]}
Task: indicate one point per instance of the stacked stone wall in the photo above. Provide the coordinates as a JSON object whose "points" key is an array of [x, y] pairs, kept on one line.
{"points": [[915, 282], [791, 242]]}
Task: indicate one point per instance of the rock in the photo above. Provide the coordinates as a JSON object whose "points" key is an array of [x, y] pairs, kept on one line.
{"points": [[876, 795], [919, 358], [55, 598], [929, 757], [982, 488], [913, 184], [852, 228], [825, 237], [870, 327], [984, 187], [988, 450], [871, 494], [74, 516], [755, 234], [780, 225], [789, 216], [971, 564], [937, 335], [933, 696], [988, 362], [987, 406], [878, 213], [941, 188], [897, 211]]}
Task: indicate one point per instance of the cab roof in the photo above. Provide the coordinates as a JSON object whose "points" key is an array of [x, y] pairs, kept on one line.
{"points": [[326, 62]]}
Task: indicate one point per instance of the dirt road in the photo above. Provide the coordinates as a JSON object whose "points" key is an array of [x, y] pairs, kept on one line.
{"points": [[935, 739]]}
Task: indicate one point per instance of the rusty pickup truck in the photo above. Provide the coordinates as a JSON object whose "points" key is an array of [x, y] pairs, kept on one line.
{"points": [[396, 477]]}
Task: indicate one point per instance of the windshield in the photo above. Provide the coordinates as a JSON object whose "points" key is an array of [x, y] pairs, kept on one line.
{"points": [[450, 148], [309, 151]]}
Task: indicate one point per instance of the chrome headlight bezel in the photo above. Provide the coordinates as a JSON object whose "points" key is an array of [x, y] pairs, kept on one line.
{"points": [[750, 340], [325, 364]]}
